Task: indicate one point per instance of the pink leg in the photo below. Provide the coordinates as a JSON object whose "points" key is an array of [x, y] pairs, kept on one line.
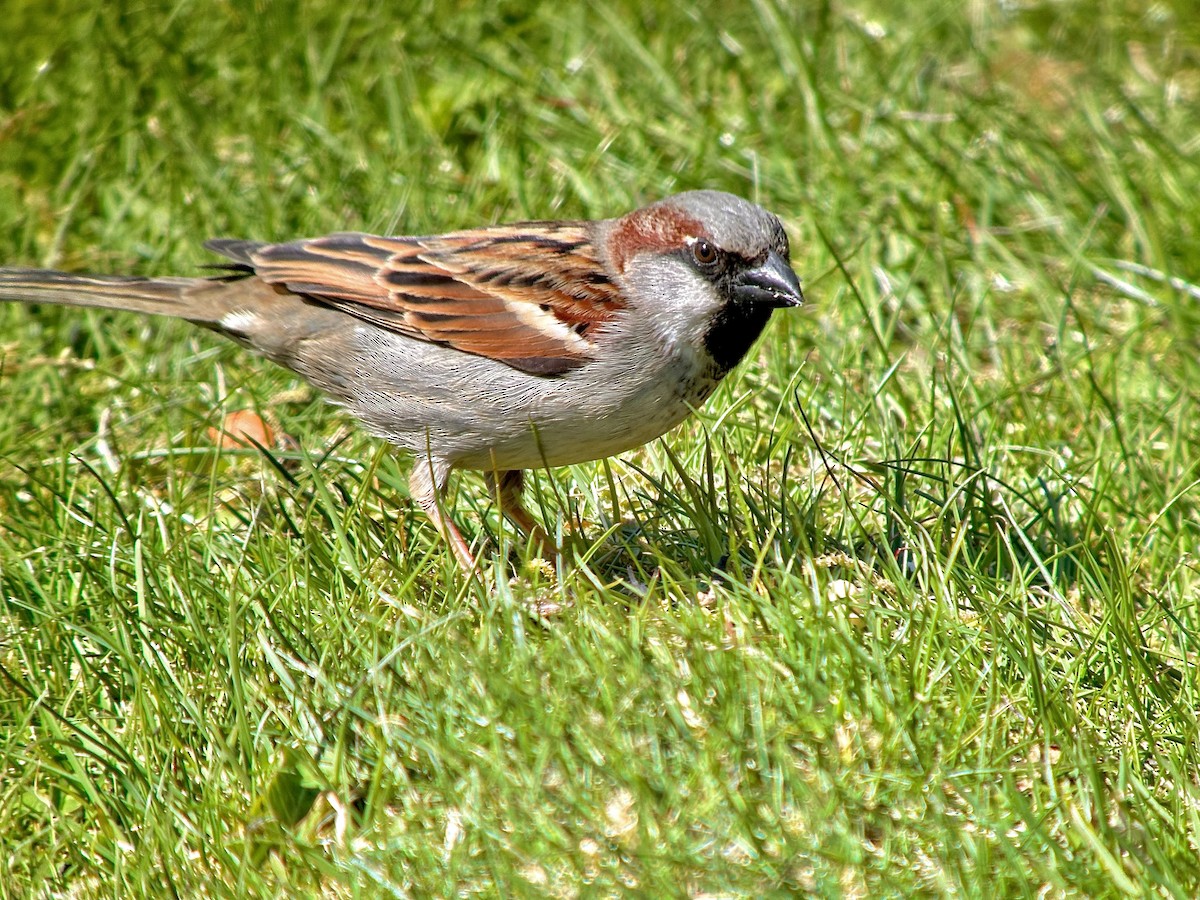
{"points": [[507, 487], [426, 484]]}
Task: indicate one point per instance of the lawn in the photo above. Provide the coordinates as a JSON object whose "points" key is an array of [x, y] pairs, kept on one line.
{"points": [[909, 609]]}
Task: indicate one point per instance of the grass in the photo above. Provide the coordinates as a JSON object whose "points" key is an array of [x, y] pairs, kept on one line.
{"points": [[911, 608]]}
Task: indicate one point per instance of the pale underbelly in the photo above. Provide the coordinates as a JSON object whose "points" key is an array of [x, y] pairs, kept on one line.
{"points": [[564, 440]]}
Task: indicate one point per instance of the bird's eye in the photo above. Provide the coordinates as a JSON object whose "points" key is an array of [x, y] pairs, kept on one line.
{"points": [[704, 252]]}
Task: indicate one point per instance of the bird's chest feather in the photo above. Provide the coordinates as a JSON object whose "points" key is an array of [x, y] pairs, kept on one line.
{"points": [[655, 400], [616, 410]]}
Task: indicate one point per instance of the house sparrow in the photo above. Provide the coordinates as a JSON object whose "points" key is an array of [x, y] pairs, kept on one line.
{"points": [[499, 348]]}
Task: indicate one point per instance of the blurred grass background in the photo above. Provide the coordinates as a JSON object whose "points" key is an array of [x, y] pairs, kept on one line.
{"points": [[950, 652]]}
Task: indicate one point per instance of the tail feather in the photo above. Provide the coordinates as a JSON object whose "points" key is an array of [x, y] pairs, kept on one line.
{"points": [[152, 296], [240, 251], [262, 316]]}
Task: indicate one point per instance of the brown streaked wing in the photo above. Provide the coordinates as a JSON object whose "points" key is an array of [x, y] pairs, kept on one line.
{"points": [[525, 295]]}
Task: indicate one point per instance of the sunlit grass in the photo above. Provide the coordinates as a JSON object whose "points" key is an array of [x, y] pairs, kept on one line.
{"points": [[911, 608]]}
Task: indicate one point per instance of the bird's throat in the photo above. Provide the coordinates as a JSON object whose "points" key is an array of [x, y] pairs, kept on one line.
{"points": [[733, 331]]}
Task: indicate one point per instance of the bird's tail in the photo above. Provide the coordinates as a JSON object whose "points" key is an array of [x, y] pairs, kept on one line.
{"points": [[151, 296]]}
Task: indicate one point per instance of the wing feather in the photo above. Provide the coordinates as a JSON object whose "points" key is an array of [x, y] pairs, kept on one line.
{"points": [[528, 295]]}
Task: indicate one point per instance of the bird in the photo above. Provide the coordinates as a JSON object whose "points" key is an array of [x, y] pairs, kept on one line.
{"points": [[498, 348]]}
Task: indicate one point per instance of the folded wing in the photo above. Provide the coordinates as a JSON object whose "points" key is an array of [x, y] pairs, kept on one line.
{"points": [[529, 295]]}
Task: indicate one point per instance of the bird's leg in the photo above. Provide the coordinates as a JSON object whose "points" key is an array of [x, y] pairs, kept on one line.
{"points": [[450, 532], [507, 487], [426, 484]]}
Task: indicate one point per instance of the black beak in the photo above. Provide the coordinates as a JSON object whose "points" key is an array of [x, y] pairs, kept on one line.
{"points": [[773, 283]]}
